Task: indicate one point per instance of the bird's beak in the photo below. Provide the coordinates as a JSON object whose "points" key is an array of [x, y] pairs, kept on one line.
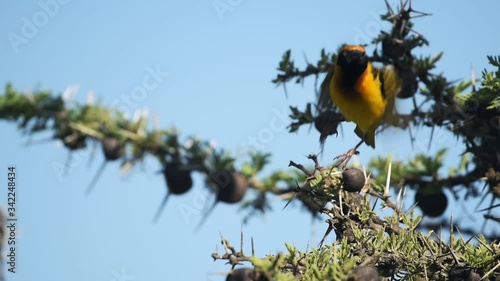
{"points": [[354, 56]]}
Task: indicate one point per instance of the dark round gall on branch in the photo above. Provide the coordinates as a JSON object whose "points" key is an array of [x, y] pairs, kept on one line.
{"points": [[231, 186], [326, 122], [393, 48], [75, 143], [178, 180], [409, 83], [389, 264], [463, 273], [112, 148], [353, 180], [71, 140], [364, 273], [431, 204], [240, 274], [246, 274]]}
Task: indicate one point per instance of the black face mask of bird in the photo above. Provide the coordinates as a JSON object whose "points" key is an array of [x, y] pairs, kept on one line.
{"points": [[353, 64]]}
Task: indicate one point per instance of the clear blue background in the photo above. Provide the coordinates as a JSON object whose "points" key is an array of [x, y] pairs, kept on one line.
{"points": [[220, 66]]}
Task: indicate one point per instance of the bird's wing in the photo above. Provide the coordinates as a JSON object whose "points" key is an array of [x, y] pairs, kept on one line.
{"points": [[324, 99], [391, 86]]}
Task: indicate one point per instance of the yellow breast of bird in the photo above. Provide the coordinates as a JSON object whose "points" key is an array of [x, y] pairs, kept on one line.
{"points": [[362, 104]]}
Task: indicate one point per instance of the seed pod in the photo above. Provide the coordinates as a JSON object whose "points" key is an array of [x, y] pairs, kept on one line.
{"points": [[409, 83], [364, 273], [246, 274], [464, 273], [112, 148], [76, 143], [353, 180], [393, 48], [230, 188], [326, 123], [240, 274], [178, 181], [72, 140], [388, 265], [431, 204]]}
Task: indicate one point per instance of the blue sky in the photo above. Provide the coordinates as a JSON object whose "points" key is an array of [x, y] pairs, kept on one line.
{"points": [[215, 68]]}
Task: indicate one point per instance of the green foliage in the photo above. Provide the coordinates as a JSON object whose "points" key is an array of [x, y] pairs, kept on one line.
{"points": [[81, 123], [301, 118], [288, 71], [327, 263], [473, 117], [394, 246]]}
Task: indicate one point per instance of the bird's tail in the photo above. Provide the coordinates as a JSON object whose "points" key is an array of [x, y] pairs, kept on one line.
{"points": [[368, 137]]}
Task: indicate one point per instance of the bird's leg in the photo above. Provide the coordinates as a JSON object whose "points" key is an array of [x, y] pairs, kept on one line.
{"points": [[343, 159]]}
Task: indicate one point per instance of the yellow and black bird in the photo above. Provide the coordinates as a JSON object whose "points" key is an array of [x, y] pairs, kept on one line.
{"points": [[363, 93]]}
